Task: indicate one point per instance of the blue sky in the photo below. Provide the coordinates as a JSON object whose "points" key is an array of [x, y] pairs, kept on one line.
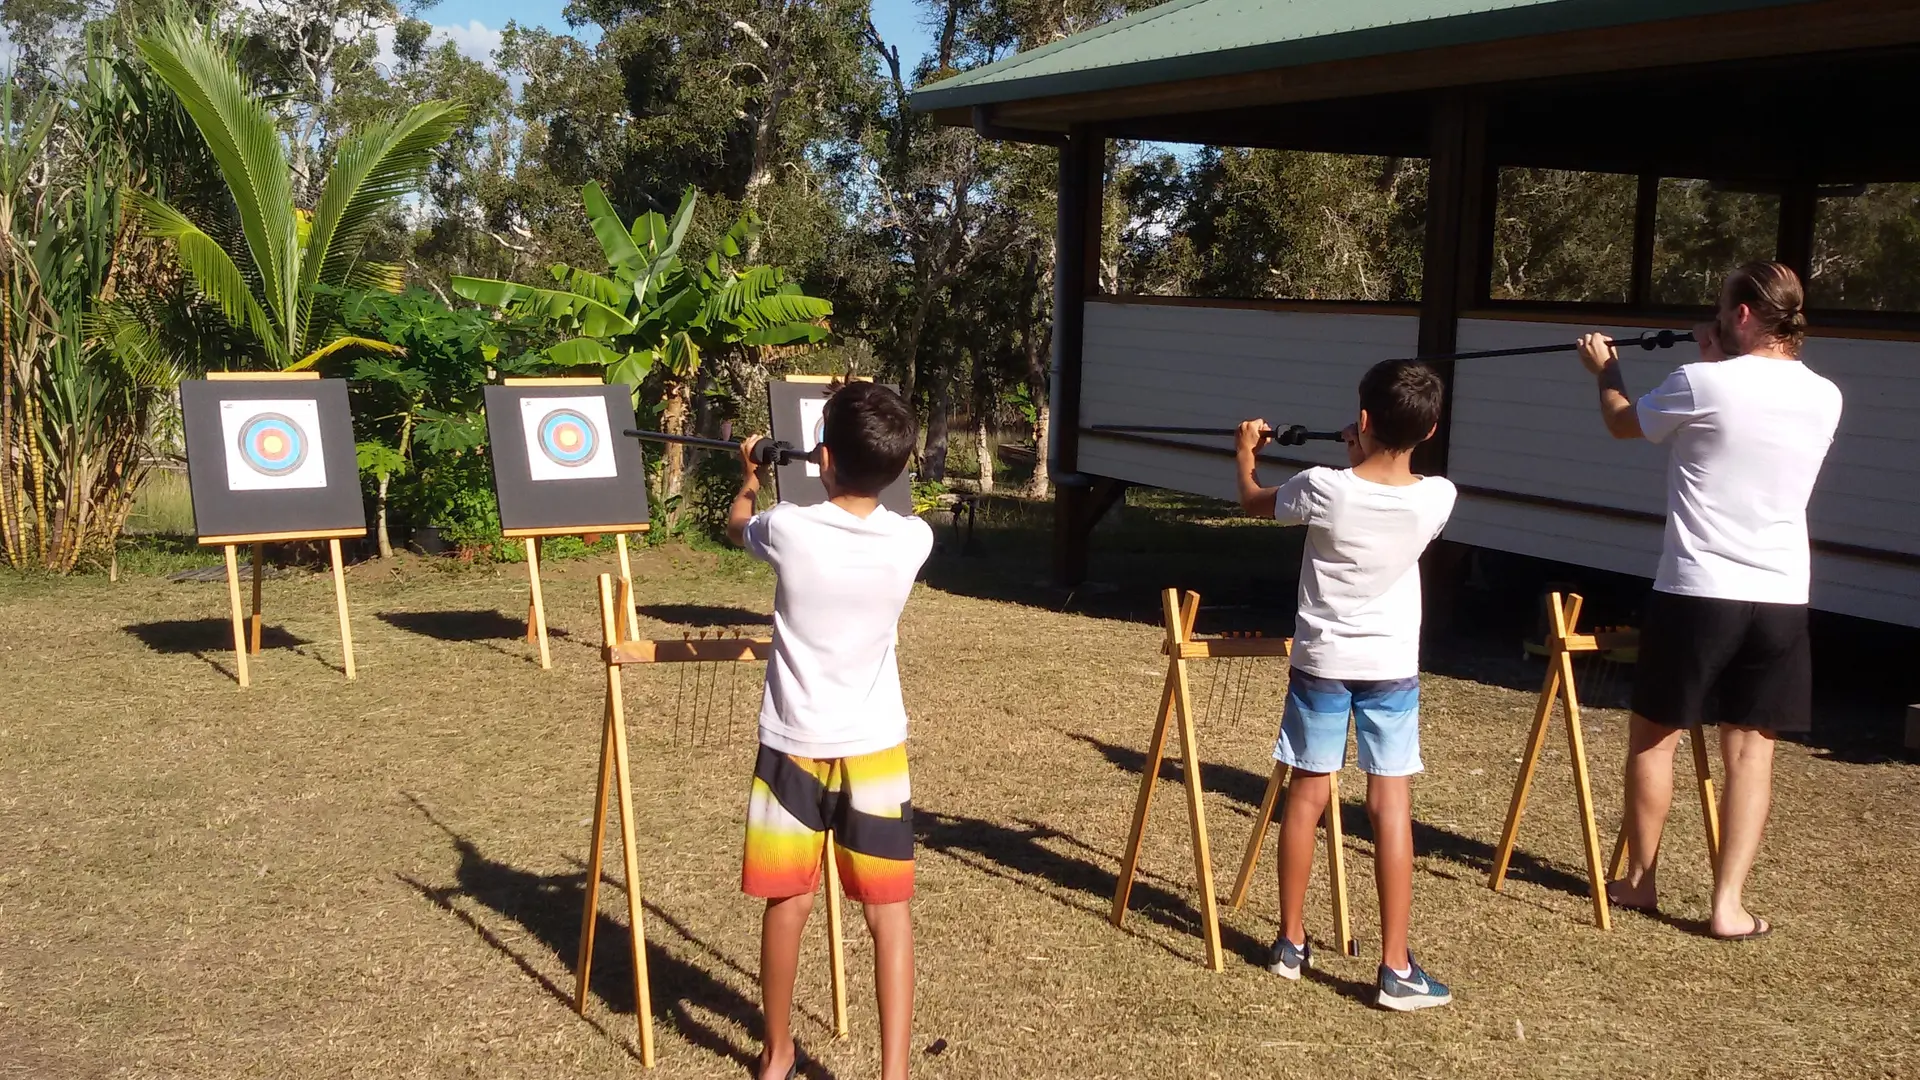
{"points": [[476, 24]]}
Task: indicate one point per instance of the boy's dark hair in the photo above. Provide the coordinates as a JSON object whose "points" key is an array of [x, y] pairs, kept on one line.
{"points": [[1402, 399], [869, 429]]}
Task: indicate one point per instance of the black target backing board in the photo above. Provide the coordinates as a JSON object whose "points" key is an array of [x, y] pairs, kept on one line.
{"points": [[562, 462], [794, 406], [271, 459]]}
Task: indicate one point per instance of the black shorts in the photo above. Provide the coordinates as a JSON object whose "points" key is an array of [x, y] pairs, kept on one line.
{"points": [[1724, 661]]}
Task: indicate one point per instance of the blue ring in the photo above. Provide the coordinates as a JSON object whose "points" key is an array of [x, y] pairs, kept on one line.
{"points": [[589, 444]]}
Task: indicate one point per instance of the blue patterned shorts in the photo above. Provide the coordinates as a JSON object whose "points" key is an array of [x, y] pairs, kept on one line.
{"points": [[1386, 721]]}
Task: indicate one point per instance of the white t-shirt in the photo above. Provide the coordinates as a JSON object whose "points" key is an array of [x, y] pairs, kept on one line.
{"points": [[833, 687], [1360, 574], [1747, 438]]}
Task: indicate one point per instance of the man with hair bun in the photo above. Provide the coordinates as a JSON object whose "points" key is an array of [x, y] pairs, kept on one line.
{"points": [[1724, 638]]}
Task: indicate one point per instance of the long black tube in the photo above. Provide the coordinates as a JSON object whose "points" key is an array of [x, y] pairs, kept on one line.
{"points": [[765, 452], [1651, 339], [1294, 435]]}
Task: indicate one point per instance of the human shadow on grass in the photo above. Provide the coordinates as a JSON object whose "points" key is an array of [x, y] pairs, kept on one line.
{"points": [[548, 906], [1248, 788], [1017, 853], [705, 615]]}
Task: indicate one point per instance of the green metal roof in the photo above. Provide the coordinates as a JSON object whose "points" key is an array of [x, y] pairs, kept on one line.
{"points": [[1188, 39]]}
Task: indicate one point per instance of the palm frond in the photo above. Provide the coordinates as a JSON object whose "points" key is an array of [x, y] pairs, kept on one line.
{"points": [[242, 137], [213, 271], [346, 341], [374, 166]]}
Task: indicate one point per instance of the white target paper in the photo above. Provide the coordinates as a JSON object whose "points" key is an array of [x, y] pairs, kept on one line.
{"points": [[813, 414], [567, 438], [273, 444]]}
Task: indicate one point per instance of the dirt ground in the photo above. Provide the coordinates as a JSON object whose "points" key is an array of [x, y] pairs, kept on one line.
{"points": [[382, 878]]}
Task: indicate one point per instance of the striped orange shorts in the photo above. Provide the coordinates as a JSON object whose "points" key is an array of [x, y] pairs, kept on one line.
{"points": [[865, 800]]}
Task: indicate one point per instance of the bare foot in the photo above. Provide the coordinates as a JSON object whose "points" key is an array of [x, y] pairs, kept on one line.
{"points": [[1740, 926], [777, 1065], [1643, 897]]}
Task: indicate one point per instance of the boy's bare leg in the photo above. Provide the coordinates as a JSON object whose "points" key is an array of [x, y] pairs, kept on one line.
{"points": [[892, 928], [1390, 807], [1747, 756], [1649, 796], [1307, 795], [780, 930]]}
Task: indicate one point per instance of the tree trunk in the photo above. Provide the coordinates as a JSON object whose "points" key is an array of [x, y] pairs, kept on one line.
{"points": [[1037, 487], [380, 516], [983, 451], [934, 467], [673, 419]]}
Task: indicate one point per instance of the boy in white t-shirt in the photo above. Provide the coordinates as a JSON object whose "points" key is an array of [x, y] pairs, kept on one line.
{"points": [[833, 729], [1356, 652]]}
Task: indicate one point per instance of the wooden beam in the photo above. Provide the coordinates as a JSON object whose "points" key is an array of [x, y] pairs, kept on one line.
{"points": [[275, 537], [1645, 217], [689, 650], [1459, 211], [1215, 648], [261, 376], [1795, 244]]}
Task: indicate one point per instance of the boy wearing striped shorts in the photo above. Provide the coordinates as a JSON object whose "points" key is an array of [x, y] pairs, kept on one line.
{"points": [[1356, 652], [833, 728]]}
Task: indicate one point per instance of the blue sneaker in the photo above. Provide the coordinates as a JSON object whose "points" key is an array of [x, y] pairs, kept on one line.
{"points": [[1417, 990], [1288, 960]]}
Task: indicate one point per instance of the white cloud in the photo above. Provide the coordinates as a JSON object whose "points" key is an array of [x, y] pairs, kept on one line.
{"points": [[476, 40]]}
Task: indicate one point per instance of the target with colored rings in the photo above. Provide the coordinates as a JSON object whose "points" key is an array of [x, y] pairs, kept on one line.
{"points": [[272, 444], [567, 438]]}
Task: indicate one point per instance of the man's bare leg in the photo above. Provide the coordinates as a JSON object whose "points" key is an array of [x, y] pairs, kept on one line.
{"points": [[1307, 795], [780, 930], [1649, 796], [892, 928], [1747, 757], [1390, 806]]}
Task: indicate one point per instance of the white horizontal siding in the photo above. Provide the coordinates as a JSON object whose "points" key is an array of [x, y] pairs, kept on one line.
{"points": [[1214, 367], [1869, 589], [1529, 425]]}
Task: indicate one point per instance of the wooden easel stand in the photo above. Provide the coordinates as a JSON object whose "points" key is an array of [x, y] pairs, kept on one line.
{"points": [[536, 596], [1563, 614], [1176, 709], [621, 649]]}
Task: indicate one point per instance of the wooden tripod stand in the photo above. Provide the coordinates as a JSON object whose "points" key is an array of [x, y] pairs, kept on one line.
{"points": [[615, 772], [1563, 644], [1176, 706]]}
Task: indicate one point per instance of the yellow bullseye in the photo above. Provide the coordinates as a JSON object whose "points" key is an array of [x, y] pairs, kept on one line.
{"points": [[568, 438], [273, 444]]}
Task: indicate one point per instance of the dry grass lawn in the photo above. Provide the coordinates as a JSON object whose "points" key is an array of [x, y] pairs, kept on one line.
{"points": [[382, 878]]}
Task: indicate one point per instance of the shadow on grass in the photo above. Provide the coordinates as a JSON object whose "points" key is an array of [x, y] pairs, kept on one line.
{"points": [[199, 636], [1018, 853], [705, 615], [548, 907], [1247, 788], [474, 625]]}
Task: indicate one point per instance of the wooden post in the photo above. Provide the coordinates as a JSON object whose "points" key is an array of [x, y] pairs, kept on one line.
{"points": [[1196, 805], [836, 942], [1337, 866], [616, 735], [626, 588], [1563, 623], [340, 600], [239, 619], [1536, 741], [1276, 782], [1178, 628], [590, 916], [253, 631], [537, 617], [1077, 237]]}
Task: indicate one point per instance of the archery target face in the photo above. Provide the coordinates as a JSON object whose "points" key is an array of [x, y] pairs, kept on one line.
{"points": [[567, 438], [813, 425], [273, 445]]}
